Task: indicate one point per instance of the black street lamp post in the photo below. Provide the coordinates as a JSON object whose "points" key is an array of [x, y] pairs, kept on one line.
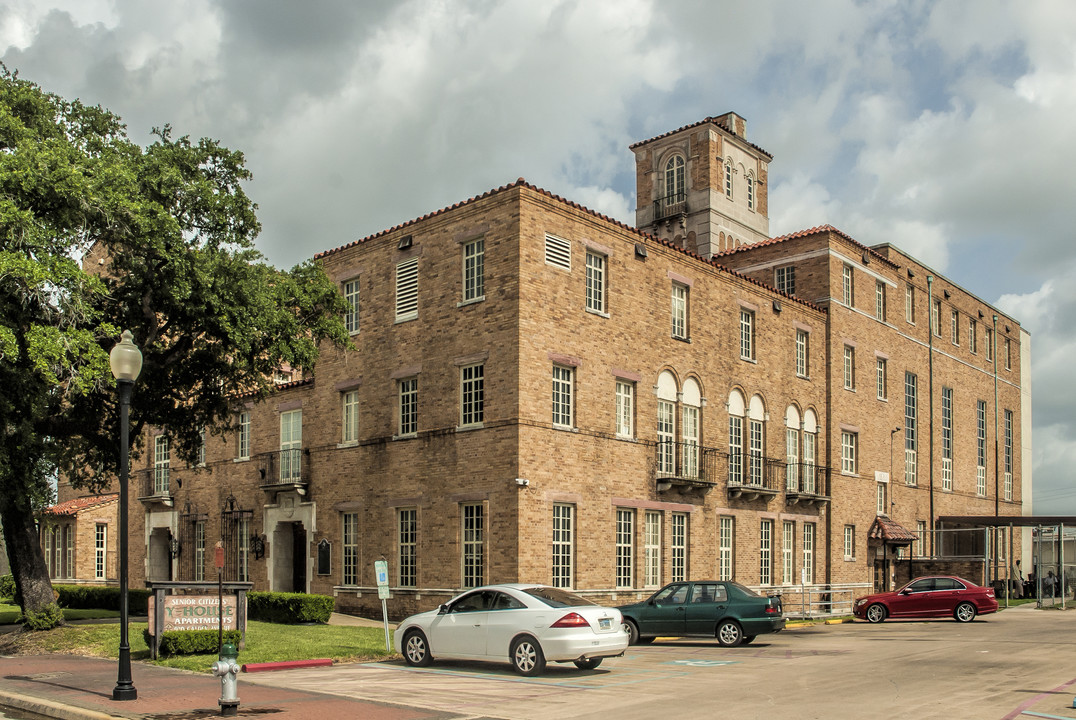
{"points": [[126, 362]]}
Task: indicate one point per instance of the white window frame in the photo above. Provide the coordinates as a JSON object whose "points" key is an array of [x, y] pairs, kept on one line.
{"points": [[803, 366], [597, 291], [678, 534], [100, 551], [788, 552], [407, 290], [848, 288], [909, 303], [882, 378], [736, 451], [792, 459], [808, 553], [750, 193], [349, 543], [407, 547], [625, 409], [674, 179], [765, 552], [473, 544], [666, 434], [955, 326], [726, 547], [849, 367], [911, 429], [881, 498], [474, 271], [849, 542], [973, 331], [849, 452], [1008, 454], [291, 441], [689, 437], [652, 549], [879, 300], [810, 455], [728, 179], [680, 297], [980, 448], [472, 395], [563, 396], [162, 461], [563, 545], [947, 438], [747, 335], [407, 407], [625, 548], [351, 298], [199, 551], [756, 438], [935, 318], [349, 420], [243, 437]]}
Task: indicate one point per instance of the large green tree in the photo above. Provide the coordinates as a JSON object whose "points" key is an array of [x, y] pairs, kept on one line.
{"points": [[167, 235]]}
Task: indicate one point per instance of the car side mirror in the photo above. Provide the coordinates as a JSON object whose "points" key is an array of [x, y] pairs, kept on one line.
{"points": [[905, 591], [442, 609]]}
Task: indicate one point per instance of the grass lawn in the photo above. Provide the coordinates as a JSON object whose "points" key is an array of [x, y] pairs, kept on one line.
{"points": [[10, 614], [266, 642]]}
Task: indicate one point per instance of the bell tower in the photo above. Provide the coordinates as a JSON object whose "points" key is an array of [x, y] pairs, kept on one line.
{"points": [[703, 187]]}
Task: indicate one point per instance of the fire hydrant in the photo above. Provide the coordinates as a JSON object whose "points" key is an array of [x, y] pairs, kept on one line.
{"points": [[227, 669]]}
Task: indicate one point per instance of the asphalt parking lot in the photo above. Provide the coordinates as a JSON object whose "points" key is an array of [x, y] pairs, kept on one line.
{"points": [[1020, 663]]}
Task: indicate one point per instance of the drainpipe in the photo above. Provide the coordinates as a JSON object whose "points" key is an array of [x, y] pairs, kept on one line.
{"points": [[930, 393], [997, 470]]}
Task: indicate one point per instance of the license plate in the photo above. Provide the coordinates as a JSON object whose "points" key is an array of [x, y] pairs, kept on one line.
{"points": [[605, 623]]}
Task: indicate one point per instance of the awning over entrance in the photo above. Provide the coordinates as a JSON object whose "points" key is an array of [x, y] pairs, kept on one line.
{"points": [[891, 532]]}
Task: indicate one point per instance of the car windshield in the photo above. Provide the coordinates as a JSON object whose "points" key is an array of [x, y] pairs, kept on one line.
{"points": [[555, 597], [744, 589]]}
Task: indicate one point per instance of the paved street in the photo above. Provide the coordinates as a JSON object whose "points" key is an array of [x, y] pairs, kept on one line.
{"points": [[1019, 663]]}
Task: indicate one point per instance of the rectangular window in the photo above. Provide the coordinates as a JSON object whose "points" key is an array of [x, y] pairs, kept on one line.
{"points": [[792, 459], [765, 553], [408, 409], [562, 396], [162, 460], [881, 500], [558, 252], [947, 438], [849, 542], [666, 437], [810, 470], [808, 553], [754, 429], [291, 444], [407, 546], [1008, 354], [351, 299], [679, 311], [1008, 454], [747, 335], [911, 437], [849, 440], [849, 367], [750, 193], [100, 551], [242, 450], [596, 283], [882, 380], [989, 345], [242, 555], [474, 270], [350, 420], [201, 448], [728, 180], [350, 534], [472, 533], [980, 448], [199, 550], [935, 318], [678, 543], [625, 409], [735, 450], [921, 542], [407, 290], [472, 394], [909, 303], [69, 551], [973, 331], [802, 363], [847, 287], [50, 551], [785, 279], [652, 549], [563, 545], [726, 566], [879, 300], [625, 547], [788, 552], [689, 436], [955, 325]]}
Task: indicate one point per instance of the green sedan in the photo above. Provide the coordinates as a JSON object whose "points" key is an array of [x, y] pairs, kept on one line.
{"points": [[727, 610]]}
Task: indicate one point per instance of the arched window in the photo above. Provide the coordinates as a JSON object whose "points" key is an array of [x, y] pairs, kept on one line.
{"points": [[728, 178], [737, 409], [792, 448], [756, 419], [810, 452], [750, 191], [674, 180], [667, 393], [689, 429]]}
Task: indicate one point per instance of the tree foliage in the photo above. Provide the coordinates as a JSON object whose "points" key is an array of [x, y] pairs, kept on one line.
{"points": [[166, 234]]}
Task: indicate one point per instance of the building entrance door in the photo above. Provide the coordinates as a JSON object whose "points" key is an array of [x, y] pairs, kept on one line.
{"points": [[299, 557]]}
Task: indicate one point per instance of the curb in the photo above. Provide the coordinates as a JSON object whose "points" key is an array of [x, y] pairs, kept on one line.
{"points": [[48, 708], [286, 665]]}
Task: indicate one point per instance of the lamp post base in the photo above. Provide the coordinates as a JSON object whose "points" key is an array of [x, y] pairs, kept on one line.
{"points": [[129, 692]]}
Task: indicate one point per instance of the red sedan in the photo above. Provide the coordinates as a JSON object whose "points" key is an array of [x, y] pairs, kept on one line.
{"points": [[937, 596]]}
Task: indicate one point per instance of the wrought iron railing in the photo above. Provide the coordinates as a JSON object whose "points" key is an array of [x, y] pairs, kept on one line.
{"points": [[685, 461], [755, 472], [154, 483], [670, 205], [284, 467], [807, 479]]}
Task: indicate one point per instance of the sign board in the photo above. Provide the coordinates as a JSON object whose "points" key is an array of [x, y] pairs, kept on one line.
{"points": [[381, 569], [194, 612]]}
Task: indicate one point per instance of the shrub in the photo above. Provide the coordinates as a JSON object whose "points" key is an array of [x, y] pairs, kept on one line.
{"points": [[92, 597], [52, 616], [191, 642], [7, 586], [289, 608]]}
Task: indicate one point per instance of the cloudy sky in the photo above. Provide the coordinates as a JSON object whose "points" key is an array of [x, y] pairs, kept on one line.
{"points": [[945, 128]]}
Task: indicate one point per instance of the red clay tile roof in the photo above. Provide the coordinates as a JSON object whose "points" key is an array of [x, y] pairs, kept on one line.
{"points": [[73, 507], [713, 120], [521, 183], [891, 531], [807, 233]]}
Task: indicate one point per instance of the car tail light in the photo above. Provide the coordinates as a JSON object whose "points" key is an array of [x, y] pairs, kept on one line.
{"points": [[771, 610], [571, 620]]}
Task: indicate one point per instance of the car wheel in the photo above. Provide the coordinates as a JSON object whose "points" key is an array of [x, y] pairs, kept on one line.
{"points": [[748, 638], [588, 663], [527, 658], [965, 612], [633, 632], [416, 650], [729, 633], [876, 613]]}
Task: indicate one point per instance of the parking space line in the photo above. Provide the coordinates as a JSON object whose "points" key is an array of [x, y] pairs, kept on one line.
{"points": [[623, 675], [1028, 703]]}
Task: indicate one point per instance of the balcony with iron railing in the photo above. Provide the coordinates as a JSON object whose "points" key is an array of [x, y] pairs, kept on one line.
{"points": [[684, 464], [806, 483], [285, 470], [752, 476], [155, 485], [670, 206]]}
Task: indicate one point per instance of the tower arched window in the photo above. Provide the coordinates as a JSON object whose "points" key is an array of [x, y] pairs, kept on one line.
{"points": [[756, 440], [792, 448], [666, 429], [689, 428], [810, 452], [674, 180]]}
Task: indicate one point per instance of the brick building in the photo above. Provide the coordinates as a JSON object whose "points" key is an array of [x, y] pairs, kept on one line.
{"points": [[540, 393], [78, 537]]}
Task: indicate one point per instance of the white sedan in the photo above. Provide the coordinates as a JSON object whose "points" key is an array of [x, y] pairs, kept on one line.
{"points": [[523, 623]]}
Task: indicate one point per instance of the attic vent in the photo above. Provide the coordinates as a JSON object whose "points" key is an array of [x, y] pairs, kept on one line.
{"points": [[558, 252], [405, 242], [640, 250]]}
